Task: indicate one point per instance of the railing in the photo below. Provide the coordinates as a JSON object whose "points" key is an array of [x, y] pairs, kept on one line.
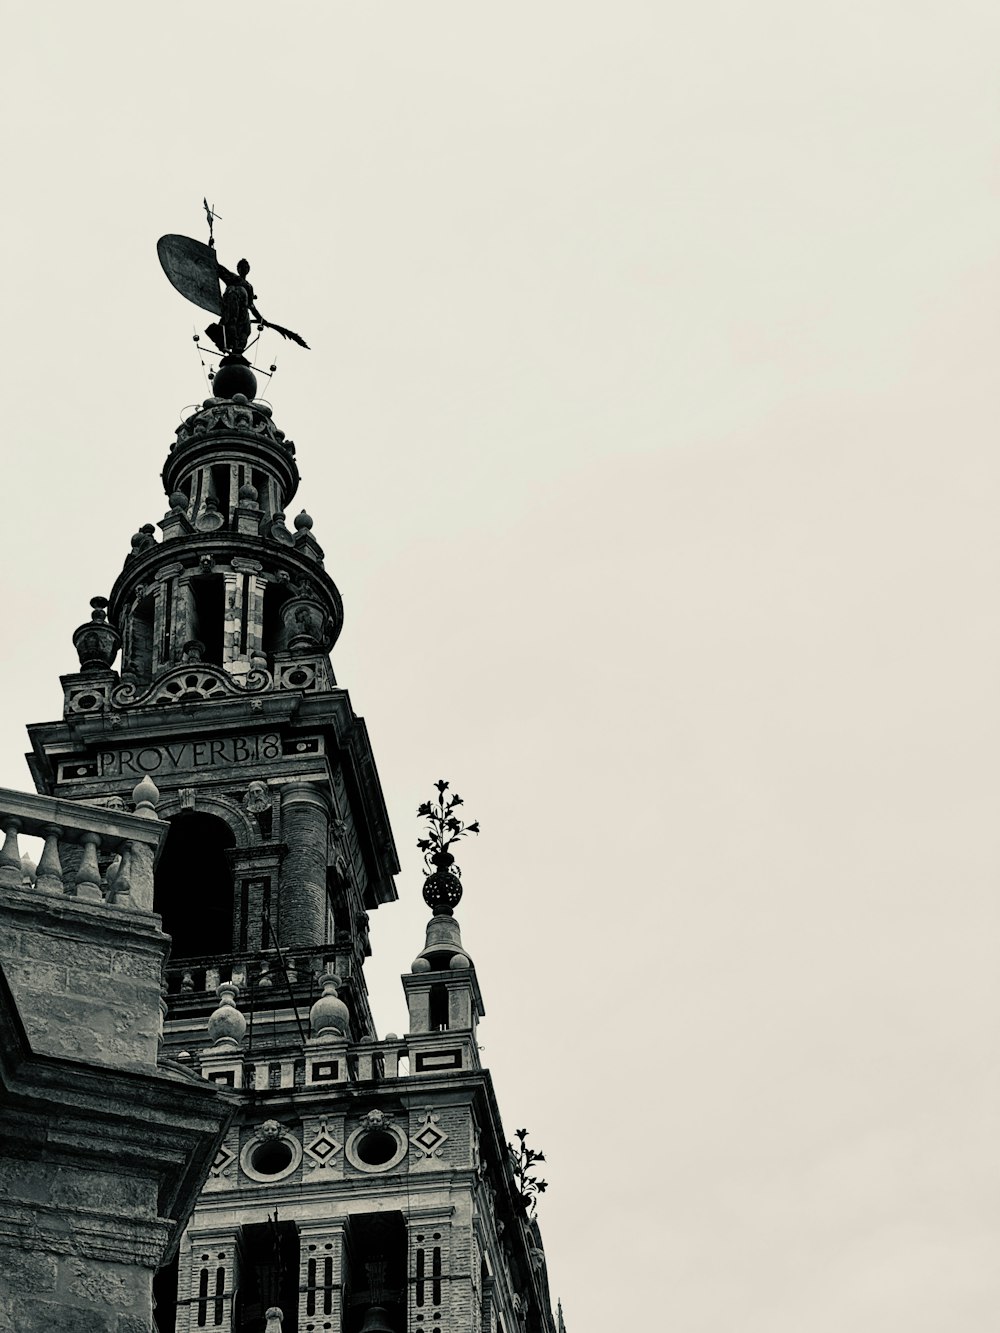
{"points": [[272, 1069], [262, 969], [74, 834]]}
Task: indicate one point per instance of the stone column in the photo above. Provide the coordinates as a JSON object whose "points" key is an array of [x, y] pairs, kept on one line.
{"points": [[300, 919]]}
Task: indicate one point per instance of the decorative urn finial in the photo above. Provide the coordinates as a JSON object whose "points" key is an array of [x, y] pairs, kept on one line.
{"points": [[443, 882], [227, 1026], [329, 1016], [96, 641]]}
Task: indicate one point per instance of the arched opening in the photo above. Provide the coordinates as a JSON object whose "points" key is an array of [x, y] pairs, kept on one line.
{"points": [[439, 1007], [208, 620], [272, 630], [221, 474], [139, 640], [193, 887]]}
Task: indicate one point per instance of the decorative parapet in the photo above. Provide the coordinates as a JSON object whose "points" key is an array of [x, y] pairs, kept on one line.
{"points": [[133, 840], [79, 944]]}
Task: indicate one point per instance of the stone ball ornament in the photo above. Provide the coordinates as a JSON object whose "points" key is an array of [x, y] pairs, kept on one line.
{"points": [[234, 379]]}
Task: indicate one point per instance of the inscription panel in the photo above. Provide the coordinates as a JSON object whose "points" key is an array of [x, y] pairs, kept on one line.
{"points": [[184, 755]]}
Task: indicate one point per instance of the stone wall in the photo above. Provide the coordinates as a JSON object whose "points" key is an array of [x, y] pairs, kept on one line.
{"points": [[102, 1150]]}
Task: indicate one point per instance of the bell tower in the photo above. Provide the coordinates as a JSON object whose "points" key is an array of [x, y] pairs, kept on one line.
{"points": [[365, 1185], [279, 842]]}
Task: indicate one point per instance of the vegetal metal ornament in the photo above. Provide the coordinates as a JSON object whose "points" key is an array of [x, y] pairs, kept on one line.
{"points": [[443, 882], [523, 1159]]}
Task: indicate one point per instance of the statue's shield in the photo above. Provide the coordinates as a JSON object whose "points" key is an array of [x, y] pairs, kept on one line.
{"points": [[191, 267]]}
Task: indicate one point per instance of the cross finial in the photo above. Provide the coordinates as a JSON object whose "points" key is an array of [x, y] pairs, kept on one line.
{"points": [[211, 214]]}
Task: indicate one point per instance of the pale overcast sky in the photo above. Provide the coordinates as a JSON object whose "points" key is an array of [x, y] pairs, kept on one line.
{"points": [[650, 431]]}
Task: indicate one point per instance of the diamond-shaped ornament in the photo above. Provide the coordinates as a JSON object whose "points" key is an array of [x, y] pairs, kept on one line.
{"points": [[224, 1159], [321, 1149], [429, 1137]]}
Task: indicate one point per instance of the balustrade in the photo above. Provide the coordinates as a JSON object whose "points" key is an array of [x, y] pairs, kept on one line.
{"points": [[129, 842], [261, 970]]}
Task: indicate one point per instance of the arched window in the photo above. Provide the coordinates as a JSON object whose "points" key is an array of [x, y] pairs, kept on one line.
{"points": [[439, 1007], [272, 629], [193, 887], [208, 616]]}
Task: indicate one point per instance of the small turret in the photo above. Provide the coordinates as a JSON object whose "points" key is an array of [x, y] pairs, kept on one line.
{"points": [[442, 992]]}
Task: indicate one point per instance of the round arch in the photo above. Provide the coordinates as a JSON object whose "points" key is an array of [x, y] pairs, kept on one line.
{"points": [[193, 889], [244, 828]]}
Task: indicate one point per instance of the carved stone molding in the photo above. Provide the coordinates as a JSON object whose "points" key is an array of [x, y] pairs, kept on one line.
{"points": [[192, 681]]}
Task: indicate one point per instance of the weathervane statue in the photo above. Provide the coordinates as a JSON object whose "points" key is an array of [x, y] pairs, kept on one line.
{"points": [[195, 271]]}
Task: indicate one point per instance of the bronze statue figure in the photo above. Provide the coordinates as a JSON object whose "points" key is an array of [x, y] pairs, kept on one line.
{"points": [[194, 270]]}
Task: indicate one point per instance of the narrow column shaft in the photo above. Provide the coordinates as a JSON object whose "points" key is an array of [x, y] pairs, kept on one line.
{"points": [[302, 905]]}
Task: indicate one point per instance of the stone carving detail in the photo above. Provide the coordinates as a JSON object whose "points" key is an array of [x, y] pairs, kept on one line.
{"points": [[305, 626], [257, 799], [192, 681], [209, 520], [296, 676], [87, 697], [226, 414], [321, 1149], [337, 855], [143, 540], [108, 802], [429, 1138], [271, 1153], [277, 531]]}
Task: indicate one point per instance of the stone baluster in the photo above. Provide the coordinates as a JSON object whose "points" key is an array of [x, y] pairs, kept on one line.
{"points": [[187, 980], [49, 875], [87, 880], [211, 978], [11, 873], [119, 876], [140, 859]]}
